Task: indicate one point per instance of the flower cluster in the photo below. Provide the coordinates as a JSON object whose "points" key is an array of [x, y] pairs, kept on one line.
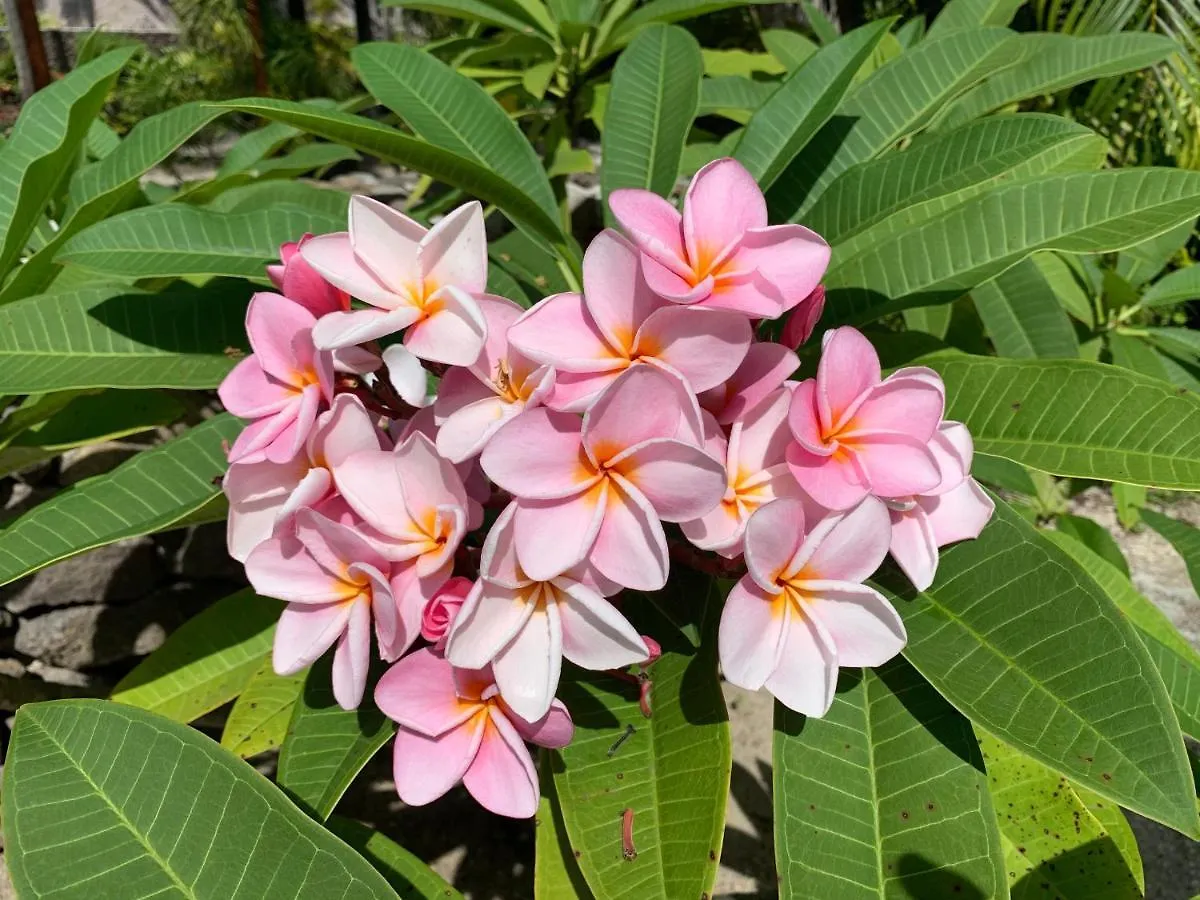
{"points": [[575, 430]]}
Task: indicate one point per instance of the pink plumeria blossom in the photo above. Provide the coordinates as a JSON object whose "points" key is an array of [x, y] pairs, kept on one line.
{"points": [[598, 487], [756, 474], [334, 584], [415, 279], [801, 611], [443, 609], [282, 386], [264, 495], [300, 283], [414, 511], [858, 434], [720, 252], [454, 726], [618, 322], [802, 321], [956, 510], [523, 627], [476, 484], [766, 367], [473, 402]]}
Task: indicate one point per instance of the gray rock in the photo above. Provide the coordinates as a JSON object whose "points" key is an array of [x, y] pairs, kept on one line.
{"points": [[94, 459], [204, 554], [16, 692], [114, 574]]}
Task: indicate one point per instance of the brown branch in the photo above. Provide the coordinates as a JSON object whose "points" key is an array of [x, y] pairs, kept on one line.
{"points": [[708, 563]]}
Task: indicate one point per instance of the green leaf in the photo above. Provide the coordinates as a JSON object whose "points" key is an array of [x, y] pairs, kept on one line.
{"points": [[177, 240], [1068, 287], [157, 809], [147, 493], [1095, 537], [316, 196], [403, 871], [556, 875], [1023, 315], [1021, 640], [876, 199], [804, 102], [1129, 500], [1137, 355], [1053, 62], [1085, 212], [1052, 841], [911, 32], [934, 320], [206, 662], [306, 158], [1183, 537], [821, 25], [260, 715], [1143, 261], [672, 771], [122, 337], [655, 93], [101, 140], [884, 796], [789, 47], [45, 143], [743, 63], [1177, 287], [958, 14], [453, 112], [1076, 418], [664, 12], [472, 11], [1003, 473], [1183, 342], [393, 146], [326, 746], [897, 100], [733, 96]]}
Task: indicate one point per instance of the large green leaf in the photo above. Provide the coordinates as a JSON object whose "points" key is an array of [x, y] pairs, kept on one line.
{"points": [[886, 196], [1095, 537], [897, 100], [734, 96], [207, 661], [473, 11], [1177, 287], [311, 157], [260, 715], [175, 240], [453, 112], [157, 809], [45, 143], [1017, 636], [883, 797], [1053, 62], [1023, 316], [394, 146], [325, 745], [556, 875], [1143, 261], [314, 195], [122, 337], [795, 112], [1084, 212], [1052, 841], [655, 93], [672, 772], [664, 12], [151, 491], [959, 14], [1076, 418], [403, 871], [791, 48], [1183, 537]]}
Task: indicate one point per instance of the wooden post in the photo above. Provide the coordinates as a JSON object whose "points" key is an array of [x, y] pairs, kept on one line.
{"points": [[362, 21], [254, 19], [29, 52]]}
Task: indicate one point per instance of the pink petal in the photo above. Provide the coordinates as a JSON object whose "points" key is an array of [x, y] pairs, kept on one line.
{"points": [[832, 481], [527, 668], [804, 419], [554, 535], [342, 430], [594, 635], [668, 284], [913, 546], [454, 334], [491, 617], [429, 482], [281, 567], [774, 534], [501, 777], [640, 405], [343, 329], [352, 657], [406, 375], [419, 694], [718, 528], [751, 634], [499, 314], [289, 443], [575, 392], [553, 730], [803, 319], [411, 593], [333, 546], [680, 481], [896, 465], [791, 258], [865, 628], [257, 492], [301, 283], [847, 546], [953, 450], [425, 768], [722, 202], [280, 333], [248, 392], [383, 604], [761, 438], [909, 406], [652, 224], [559, 331], [498, 563], [369, 484], [765, 368], [806, 677], [305, 631], [386, 241], [615, 293], [252, 441], [314, 489], [334, 259], [704, 346], [960, 514], [630, 546], [467, 430], [553, 440], [849, 367], [454, 252]]}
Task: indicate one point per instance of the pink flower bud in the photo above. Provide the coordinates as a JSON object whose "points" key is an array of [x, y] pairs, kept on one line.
{"points": [[441, 611], [803, 319]]}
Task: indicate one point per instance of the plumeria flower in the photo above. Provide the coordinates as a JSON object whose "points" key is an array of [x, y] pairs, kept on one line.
{"points": [[413, 278], [755, 474], [858, 434], [413, 508], [721, 252], [443, 609], [802, 321], [618, 322], [454, 726], [598, 487], [473, 402], [801, 611], [523, 627], [334, 584], [956, 510], [282, 386], [476, 484], [766, 367], [264, 495], [300, 283]]}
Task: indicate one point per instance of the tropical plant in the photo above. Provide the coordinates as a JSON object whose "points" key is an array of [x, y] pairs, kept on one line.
{"points": [[1005, 695]]}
